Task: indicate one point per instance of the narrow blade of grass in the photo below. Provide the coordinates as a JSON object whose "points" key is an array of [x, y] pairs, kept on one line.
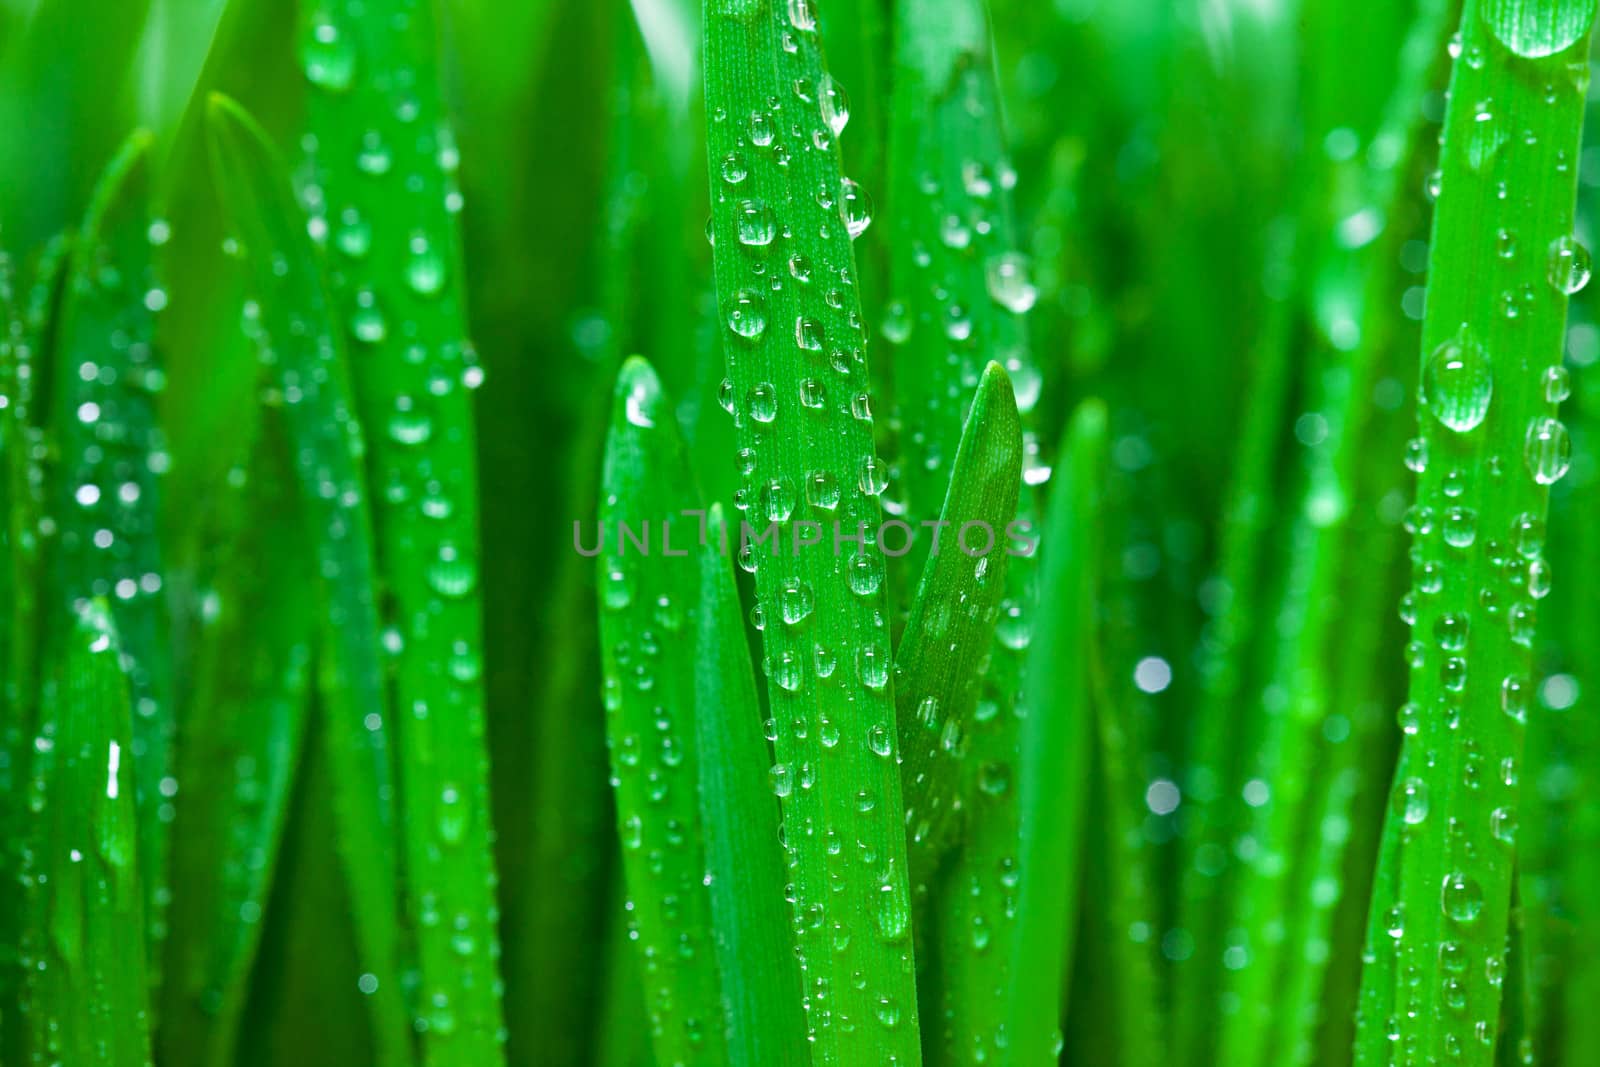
{"points": [[385, 159], [239, 753], [29, 346], [939, 664], [105, 486], [1489, 448], [744, 859], [87, 985], [308, 378], [782, 218], [1053, 768], [646, 600]]}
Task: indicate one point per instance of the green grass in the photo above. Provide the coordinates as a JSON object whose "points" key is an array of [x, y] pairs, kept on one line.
{"points": [[333, 335]]}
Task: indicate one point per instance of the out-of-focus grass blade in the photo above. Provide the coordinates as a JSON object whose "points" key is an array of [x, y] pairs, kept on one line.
{"points": [[1489, 448], [782, 218], [744, 859], [385, 159], [1305, 754], [87, 985], [939, 664], [239, 751], [959, 285], [104, 486], [30, 333], [1053, 767], [308, 378], [646, 600]]}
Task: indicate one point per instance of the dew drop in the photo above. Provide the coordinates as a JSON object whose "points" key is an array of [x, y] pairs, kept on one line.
{"points": [[1457, 382]]}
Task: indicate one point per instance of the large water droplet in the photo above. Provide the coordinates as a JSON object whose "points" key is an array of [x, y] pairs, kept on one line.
{"points": [[1461, 897], [1568, 266], [1457, 382], [1535, 30]]}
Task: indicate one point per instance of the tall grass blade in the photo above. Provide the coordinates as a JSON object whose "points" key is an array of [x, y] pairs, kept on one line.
{"points": [[1489, 448], [385, 159], [308, 379], [87, 985], [239, 753], [783, 217], [104, 487], [30, 334], [647, 596], [744, 860], [1053, 768]]}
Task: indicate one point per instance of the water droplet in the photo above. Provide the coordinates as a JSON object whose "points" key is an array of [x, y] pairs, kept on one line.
{"points": [[1460, 527], [808, 334], [1010, 282], [874, 475], [1461, 897], [1557, 384], [734, 168], [822, 490], [748, 318], [1547, 450], [1535, 31], [1411, 800], [1417, 455], [328, 60], [855, 207], [763, 402], [796, 601], [1457, 382], [872, 663], [1568, 266], [835, 105], [425, 269], [754, 224]]}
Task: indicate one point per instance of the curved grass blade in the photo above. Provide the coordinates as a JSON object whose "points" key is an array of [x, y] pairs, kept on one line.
{"points": [[240, 753], [797, 388], [1489, 448], [87, 984], [1056, 735], [104, 491], [939, 664], [306, 366], [384, 158], [646, 595], [744, 860]]}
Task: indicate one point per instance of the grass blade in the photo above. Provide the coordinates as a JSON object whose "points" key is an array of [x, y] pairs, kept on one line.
{"points": [[939, 664], [797, 387], [1053, 769], [385, 161], [309, 380], [105, 486], [744, 861], [239, 753], [87, 984], [28, 348], [1489, 448], [645, 601]]}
